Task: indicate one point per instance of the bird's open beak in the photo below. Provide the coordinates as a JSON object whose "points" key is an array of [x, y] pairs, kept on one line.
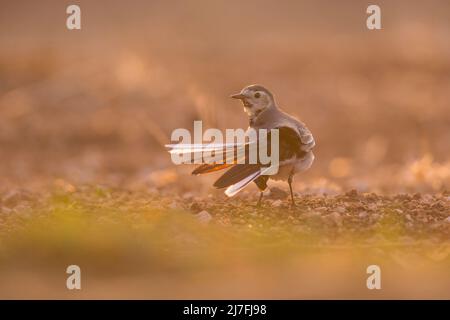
{"points": [[239, 96]]}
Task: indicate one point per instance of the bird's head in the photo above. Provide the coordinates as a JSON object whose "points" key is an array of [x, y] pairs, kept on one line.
{"points": [[255, 99]]}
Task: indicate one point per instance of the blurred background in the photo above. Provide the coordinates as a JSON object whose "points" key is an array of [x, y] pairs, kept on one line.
{"points": [[85, 178], [96, 105]]}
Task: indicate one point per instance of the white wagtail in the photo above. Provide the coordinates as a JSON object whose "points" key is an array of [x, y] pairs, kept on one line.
{"points": [[295, 145]]}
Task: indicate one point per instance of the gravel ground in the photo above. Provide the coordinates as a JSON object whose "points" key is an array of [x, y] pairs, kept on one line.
{"points": [[146, 244]]}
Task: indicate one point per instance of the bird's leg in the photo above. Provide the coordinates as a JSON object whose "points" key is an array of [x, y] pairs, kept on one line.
{"points": [[290, 188], [258, 204]]}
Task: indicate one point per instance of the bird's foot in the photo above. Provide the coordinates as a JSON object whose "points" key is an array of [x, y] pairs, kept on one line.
{"points": [[259, 203]]}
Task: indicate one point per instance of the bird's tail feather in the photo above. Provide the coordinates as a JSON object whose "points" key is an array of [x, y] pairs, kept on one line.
{"points": [[237, 177], [208, 168], [235, 188], [236, 174], [212, 152], [238, 186]]}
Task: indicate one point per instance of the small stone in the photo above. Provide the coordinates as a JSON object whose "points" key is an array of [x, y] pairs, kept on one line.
{"points": [[398, 211], [336, 217], [188, 195], [352, 193], [340, 209], [363, 214], [408, 217], [312, 214], [173, 205], [195, 207], [417, 196], [5, 210], [277, 194], [447, 219], [204, 217], [301, 229], [13, 197], [277, 203], [438, 205]]}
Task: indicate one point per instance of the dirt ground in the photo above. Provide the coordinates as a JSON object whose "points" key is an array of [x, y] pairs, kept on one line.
{"points": [[140, 244], [85, 178]]}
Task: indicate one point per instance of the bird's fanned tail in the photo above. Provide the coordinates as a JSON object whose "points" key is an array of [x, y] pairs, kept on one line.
{"points": [[285, 152], [235, 188], [236, 178], [252, 175], [212, 157], [208, 168], [236, 174]]}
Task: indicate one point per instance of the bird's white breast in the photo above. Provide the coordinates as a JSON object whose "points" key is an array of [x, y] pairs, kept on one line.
{"points": [[293, 166]]}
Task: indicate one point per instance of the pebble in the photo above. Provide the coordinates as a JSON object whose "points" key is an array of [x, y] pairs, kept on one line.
{"points": [[5, 210], [340, 209], [204, 217], [417, 196], [14, 197], [188, 195], [277, 203], [363, 214], [352, 193], [173, 205], [312, 214], [277, 194], [195, 207], [336, 217]]}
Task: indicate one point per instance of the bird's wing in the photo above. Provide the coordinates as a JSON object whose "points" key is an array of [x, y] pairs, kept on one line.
{"points": [[212, 157], [306, 137], [291, 144], [242, 172], [282, 119], [240, 175], [208, 168]]}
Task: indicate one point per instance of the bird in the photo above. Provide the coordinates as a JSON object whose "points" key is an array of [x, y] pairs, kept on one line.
{"points": [[296, 143]]}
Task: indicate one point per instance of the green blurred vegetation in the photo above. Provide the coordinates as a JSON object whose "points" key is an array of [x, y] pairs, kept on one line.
{"points": [[119, 230], [167, 250]]}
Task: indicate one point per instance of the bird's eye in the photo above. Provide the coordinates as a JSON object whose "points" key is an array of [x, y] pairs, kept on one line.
{"points": [[257, 95]]}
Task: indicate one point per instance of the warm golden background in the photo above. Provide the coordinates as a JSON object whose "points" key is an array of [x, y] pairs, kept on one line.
{"points": [[84, 116]]}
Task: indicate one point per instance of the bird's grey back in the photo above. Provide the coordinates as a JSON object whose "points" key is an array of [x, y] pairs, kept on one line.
{"points": [[275, 118]]}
